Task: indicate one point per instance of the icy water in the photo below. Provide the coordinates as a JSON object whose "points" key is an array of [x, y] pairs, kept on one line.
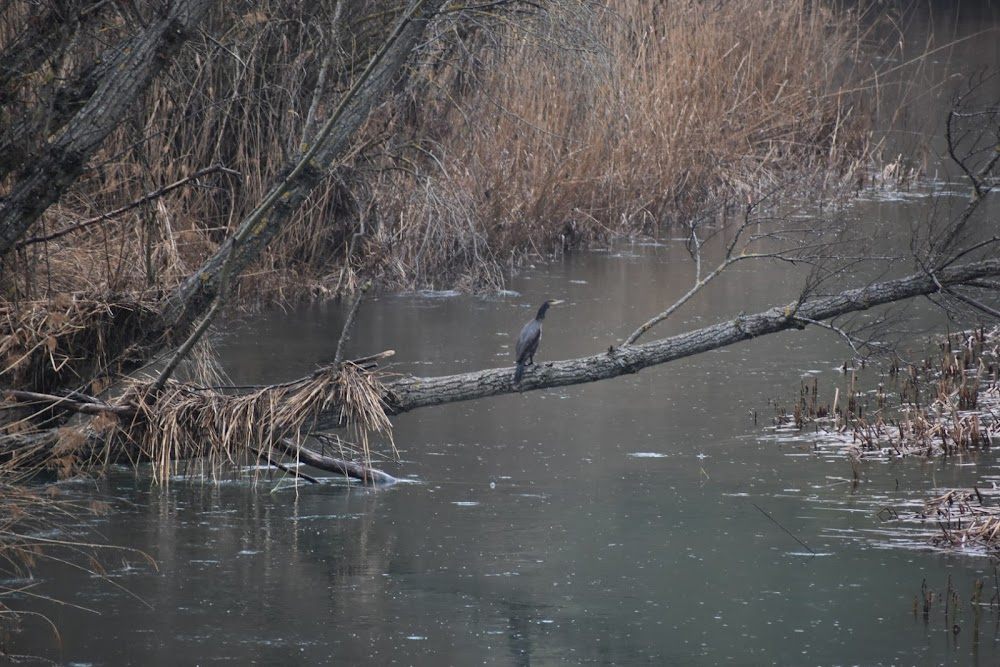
{"points": [[633, 521], [653, 519]]}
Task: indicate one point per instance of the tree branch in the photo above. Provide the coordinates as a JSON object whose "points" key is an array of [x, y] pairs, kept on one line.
{"points": [[155, 194], [45, 180]]}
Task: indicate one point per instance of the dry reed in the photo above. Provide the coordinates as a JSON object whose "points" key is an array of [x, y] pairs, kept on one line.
{"points": [[183, 424], [950, 405], [517, 133]]}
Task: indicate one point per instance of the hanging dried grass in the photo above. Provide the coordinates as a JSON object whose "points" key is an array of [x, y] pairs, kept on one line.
{"points": [[71, 341], [183, 423]]}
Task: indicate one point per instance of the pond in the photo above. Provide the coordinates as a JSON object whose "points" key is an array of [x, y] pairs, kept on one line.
{"points": [[652, 519]]}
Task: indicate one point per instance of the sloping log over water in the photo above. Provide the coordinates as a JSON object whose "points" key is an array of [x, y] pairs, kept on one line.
{"points": [[47, 449], [410, 393]]}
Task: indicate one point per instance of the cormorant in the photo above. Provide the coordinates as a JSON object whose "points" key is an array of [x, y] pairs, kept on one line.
{"points": [[527, 342]]}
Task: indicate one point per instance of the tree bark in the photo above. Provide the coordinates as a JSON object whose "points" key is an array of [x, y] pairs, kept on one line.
{"points": [[410, 393], [45, 180]]}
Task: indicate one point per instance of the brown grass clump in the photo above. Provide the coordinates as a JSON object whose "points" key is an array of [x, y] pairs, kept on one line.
{"points": [[220, 431], [69, 341]]}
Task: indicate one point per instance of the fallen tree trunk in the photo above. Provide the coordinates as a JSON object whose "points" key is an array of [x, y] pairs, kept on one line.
{"points": [[410, 393]]}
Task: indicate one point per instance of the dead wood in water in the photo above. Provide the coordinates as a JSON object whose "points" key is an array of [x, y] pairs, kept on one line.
{"points": [[182, 422], [410, 393]]}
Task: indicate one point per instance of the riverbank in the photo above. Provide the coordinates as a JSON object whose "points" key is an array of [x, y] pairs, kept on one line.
{"points": [[563, 128]]}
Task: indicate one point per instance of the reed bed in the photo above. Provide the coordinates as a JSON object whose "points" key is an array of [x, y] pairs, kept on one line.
{"points": [[966, 520], [516, 134], [948, 405]]}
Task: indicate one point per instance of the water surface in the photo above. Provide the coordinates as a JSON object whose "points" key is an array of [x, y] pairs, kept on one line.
{"points": [[651, 519]]}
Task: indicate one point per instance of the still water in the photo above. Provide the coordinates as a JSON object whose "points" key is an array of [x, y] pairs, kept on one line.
{"points": [[652, 519]]}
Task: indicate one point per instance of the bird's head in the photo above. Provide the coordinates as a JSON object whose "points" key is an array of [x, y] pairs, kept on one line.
{"points": [[545, 306]]}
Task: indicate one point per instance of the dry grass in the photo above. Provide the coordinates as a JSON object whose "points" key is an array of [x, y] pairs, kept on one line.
{"points": [[32, 531], [69, 342], [220, 432], [660, 113], [948, 406], [516, 134]]}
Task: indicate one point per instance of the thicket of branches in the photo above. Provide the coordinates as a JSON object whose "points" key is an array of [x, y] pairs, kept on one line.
{"points": [[522, 127], [159, 157]]}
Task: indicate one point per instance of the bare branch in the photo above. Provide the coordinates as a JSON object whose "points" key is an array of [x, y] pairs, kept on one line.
{"points": [[155, 194]]}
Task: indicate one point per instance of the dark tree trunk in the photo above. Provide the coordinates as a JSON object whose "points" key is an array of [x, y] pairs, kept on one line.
{"points": [[46, 177]]}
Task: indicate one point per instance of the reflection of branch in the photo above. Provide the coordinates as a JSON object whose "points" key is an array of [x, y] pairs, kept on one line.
{"points": [[982, 307], [155, 194]]}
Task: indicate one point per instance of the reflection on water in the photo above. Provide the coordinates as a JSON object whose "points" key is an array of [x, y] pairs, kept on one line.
{"points": [[642, 520]]}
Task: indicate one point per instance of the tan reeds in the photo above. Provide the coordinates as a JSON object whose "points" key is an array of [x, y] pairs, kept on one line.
{"points": [[70, 341], [183, 424], [530, 134], [966, 519], [964, 416], [660, 112]]}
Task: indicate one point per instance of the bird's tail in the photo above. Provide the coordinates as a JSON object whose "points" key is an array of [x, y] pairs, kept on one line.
{"points": [[519, 373]]}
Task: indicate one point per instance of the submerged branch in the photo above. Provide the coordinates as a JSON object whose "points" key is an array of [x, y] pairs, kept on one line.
{"points": [[351, 469]]}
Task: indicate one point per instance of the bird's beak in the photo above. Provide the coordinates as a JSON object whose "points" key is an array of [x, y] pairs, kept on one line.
{"points": [[556, 302]]}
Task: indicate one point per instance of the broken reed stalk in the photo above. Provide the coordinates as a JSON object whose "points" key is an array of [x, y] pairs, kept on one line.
{"points": [[963, 417]]}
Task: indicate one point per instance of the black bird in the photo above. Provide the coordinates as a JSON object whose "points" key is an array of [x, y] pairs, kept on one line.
{"points": [[527, 342]]}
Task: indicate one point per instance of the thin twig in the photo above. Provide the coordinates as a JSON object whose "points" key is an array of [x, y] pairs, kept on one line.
{"points": [[784, 529], [155, 194], [345, 333]]}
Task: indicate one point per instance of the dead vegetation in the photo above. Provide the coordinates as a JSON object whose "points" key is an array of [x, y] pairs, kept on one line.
{"points": [[69, 341], [967, 518], [220, 431], [946, 406], [518, 135], [33, 531]]}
